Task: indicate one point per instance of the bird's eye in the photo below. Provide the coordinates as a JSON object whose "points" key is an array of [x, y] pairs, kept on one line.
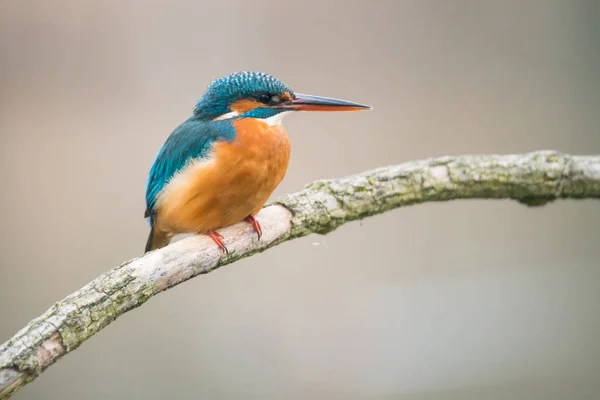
{"points": [[264, 98]]}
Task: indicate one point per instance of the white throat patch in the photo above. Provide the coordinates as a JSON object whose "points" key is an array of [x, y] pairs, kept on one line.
{"points": [[276, 119]]}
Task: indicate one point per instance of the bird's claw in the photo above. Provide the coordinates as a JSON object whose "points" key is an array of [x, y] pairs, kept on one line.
{"points": [[255, 225], [218, 239]]}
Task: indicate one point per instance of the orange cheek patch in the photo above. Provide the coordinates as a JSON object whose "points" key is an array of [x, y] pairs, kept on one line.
{"points": [[243, 106], [286, 96]]}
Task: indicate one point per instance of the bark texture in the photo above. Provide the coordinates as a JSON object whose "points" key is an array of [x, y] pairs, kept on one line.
{"points": [[533, 179]]}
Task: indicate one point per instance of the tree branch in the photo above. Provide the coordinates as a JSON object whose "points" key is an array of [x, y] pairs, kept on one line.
{"points": [[533, 179]]}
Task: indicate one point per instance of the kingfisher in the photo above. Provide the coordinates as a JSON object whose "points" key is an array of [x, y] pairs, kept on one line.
{"points": [[220, 166]]}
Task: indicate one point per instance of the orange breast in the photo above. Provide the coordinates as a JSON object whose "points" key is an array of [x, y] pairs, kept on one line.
{"points": [[234, 181]]}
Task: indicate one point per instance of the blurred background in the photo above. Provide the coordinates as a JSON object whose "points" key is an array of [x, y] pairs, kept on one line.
{"points": [[462, 300]]}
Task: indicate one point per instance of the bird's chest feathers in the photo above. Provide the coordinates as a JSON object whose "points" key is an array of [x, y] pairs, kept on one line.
{"points": [[257, 159], [233, 181], [258, 142]]}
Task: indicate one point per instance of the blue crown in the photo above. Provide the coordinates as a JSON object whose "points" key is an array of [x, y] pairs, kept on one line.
{"points": [[223, 92]]}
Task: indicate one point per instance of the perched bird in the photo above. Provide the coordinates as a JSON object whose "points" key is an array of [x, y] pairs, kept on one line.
{"points": [[220, 166]]}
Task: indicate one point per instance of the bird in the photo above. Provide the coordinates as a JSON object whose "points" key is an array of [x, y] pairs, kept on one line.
{"points": [[220, 166]]}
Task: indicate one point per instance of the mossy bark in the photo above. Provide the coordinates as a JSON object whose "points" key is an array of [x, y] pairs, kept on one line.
{"points": [[533, 179]]}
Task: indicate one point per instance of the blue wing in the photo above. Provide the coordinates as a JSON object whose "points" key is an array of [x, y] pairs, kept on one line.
{"points": [[192, 139]]}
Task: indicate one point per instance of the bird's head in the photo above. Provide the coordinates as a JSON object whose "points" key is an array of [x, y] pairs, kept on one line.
{"points": [[259, 95]]}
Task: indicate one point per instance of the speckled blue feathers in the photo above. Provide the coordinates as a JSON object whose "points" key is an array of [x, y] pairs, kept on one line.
{"points": [[224, 91]]}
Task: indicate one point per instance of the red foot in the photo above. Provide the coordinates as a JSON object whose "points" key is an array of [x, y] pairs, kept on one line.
{"points": [[218, 239], [255, 225]]}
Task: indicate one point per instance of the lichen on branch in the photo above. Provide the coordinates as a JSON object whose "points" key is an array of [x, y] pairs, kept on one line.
{"points": [[533, 179]]}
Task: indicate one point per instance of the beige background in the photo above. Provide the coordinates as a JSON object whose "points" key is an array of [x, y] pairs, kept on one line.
{"points": [[464, 300]]}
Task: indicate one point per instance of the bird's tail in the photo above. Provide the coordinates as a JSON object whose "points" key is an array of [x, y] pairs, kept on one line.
{"points": [[157, 239]]}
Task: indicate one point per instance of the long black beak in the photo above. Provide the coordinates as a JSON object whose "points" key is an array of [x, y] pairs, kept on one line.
{"points": [[306, 102]]}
